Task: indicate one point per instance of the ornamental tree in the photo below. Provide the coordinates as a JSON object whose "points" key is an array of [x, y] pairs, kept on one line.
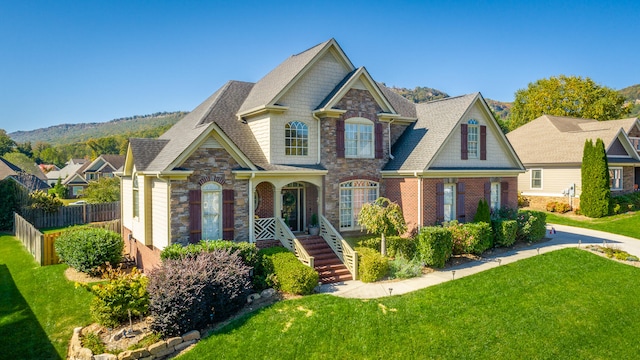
{"points": [[596, 191], [566, 96], [382, 217]]}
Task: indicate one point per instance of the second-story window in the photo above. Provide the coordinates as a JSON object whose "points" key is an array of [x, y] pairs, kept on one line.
{"points": [[296, 138], [358, 138], [472, 139]]}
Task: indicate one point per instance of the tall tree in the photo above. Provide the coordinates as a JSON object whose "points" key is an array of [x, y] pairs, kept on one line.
{"points": [[6, 143], [596, 190], [567, 96], [382, 217]]}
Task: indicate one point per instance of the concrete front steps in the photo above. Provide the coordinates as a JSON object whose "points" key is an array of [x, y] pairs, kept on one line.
{"points": [[326, 262]]}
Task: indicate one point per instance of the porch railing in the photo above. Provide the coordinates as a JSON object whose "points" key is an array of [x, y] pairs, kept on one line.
{"points": [[343, 250], [288, 240], [265, 228]]}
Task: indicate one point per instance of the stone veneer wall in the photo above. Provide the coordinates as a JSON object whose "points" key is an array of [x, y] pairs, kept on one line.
{"points": [[208, 164], [358, 103]]}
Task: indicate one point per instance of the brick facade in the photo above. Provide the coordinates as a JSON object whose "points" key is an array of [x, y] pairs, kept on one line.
{"points": [[265, 191], [146, 257]]}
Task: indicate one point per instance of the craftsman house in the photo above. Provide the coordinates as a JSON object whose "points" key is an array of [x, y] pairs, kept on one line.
{"points": [[551, 149], [316, 135], [79, 172]]}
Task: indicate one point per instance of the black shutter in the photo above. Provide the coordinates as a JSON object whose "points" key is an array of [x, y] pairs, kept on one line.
{"points": [[483, 142], [460, 202], [228, 215], [504, 197], [378, 141], [487, 192], [439, 202], [340, 138], [195, 216], [464, 151]]}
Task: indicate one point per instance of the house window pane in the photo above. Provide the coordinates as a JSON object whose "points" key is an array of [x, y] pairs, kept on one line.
{"points": [[353, 195], [449, 204], [472, 140], [296, 139], [358, 138], [211, 211], [136, 198], [536, 179], [495, 196], [615, 178]]}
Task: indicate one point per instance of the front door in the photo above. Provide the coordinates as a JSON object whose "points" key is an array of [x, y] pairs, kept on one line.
{"points": [[293, 206]]}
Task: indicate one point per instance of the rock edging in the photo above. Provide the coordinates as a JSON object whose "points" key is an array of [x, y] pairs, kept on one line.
{"points": [[160, 350]]}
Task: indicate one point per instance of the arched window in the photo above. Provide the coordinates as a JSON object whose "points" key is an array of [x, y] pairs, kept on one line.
{"points": [[472, 139], [136, 196], [296, 138], [354, 194], [358, 138], [211, 211]]}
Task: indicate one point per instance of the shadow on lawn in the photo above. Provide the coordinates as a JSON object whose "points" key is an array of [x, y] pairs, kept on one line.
{"points": [[21, 336]]}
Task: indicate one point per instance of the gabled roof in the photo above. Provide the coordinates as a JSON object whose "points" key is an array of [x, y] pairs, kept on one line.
{"points": [[268, 90], [421, 141], [559, 139], [7, 168]]}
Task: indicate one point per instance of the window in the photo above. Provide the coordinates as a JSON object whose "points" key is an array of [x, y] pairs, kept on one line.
{"points": [[211, 211], [136, 198], [354, 194], [449, 202], [615, 178], [296, 138], [495, 196], [536, 178], [358, 138], [472, 139]]}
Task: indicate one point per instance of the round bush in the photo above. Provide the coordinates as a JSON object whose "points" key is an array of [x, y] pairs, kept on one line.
{"points": [[435, 245], [372, 266], [86, 249]]}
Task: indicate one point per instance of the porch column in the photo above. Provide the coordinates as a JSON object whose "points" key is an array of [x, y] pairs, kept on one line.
{"points": [[252, 211], [277, 202]]}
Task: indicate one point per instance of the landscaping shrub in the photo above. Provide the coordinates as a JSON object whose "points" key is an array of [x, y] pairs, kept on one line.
{"points": [[191, 292], [483, 213], [86, 249], [624, 203], [263, 276], [505, 232], [396, 246], [122, 293], [402, 268], [434, 245], [246, 251], [372, 266], [470, 238], [531, 225], [292, 276], [559, 207]]}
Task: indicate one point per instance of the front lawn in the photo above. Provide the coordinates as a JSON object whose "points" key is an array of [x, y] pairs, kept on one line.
{"points": [[623, 224], [39, 308], [563, 304]]}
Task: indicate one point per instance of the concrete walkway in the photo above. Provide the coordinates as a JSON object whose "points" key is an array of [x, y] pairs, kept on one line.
{"points": [[564, 237]]}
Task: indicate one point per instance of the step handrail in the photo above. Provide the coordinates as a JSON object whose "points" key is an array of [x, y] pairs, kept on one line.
{"points": [[289, 241], [340, 247]]}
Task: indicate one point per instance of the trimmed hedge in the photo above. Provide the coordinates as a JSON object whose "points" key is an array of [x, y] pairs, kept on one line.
{"points": [[247, 251], [192, 292], [532, 225], [372, 266], [470, 238], [279, 268], [396, 246], [434, 245], [86, 249], [505, 232]]}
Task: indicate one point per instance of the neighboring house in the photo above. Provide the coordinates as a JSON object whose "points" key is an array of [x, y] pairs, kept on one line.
{"points": [[551, 149], [29, 181], [315, 135], [78, 173]]}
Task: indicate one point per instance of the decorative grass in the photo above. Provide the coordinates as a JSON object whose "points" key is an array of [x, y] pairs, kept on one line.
{"points": [[623, 224], [563, 304], [39, 307]]}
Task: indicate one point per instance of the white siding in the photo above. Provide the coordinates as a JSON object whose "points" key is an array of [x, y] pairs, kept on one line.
{"points": [[554, 181], [127, 202], [160, 225], [137, 223], [211, 143], [261, 127], [302, 98], [498, 154]]}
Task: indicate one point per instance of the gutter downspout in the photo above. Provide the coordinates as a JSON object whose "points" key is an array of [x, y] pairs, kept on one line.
{"points": [[389, 127], [415, 173], [252, 236], [318, 137]]}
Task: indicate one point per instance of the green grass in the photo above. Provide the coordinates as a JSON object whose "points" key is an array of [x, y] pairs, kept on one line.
{"points": [[623, 224], [39, 307], [559, 305]]}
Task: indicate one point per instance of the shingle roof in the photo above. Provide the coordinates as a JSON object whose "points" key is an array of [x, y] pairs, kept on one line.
{"points": [[8, 169], [403, 106], [265, 90], [117, 161], [559, 139], [421, 141], [145, 150]]}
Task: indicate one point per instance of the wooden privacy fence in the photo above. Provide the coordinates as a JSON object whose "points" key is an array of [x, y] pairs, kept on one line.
{"points": [[72, 215], [40, 245]]}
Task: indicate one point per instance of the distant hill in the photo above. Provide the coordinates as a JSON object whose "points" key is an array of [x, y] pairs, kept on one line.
{"points": [[79, 133], [632, 94]]}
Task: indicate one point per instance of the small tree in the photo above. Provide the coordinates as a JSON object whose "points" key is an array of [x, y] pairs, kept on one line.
{"points": [[106, 189], [596, 191], [382, 217], [42, 200], [60, 191], [483, 214]]}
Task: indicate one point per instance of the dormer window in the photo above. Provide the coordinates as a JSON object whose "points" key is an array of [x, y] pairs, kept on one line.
{"points": [[473, 140], [358, 138], [296, 138]]}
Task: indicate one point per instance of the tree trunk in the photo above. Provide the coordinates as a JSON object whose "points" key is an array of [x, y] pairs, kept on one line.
{"points": [[383, 245]]}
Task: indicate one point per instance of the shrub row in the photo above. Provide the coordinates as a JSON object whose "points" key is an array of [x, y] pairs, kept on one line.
{"points": [[372, 266], [559, 207], [623, 203], [247, 251], [470, 238], [396, 246], [279, 268], [86, 249]]}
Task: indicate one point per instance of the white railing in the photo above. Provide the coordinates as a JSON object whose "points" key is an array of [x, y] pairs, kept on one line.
{"points": [[340, 247], [264, 228], [289, 241]]}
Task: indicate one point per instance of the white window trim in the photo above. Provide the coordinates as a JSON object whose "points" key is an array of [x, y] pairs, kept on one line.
{"points": [[217, 189], [612, 170], [453, 202], [135, 201], [360, 121], [305, 148], [531, 179], [498, 196], [354, 222], [473, 124]]}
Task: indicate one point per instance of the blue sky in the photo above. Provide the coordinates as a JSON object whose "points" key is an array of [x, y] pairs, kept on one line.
{"points": [[93, 61]]}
